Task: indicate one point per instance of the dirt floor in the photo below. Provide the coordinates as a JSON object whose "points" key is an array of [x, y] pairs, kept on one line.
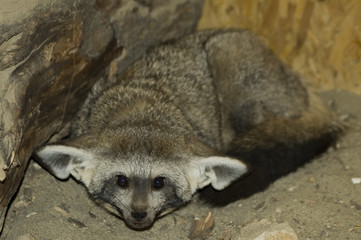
{"points": [[321, 200]]}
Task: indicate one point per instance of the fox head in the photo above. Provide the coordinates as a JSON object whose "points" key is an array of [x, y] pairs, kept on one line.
{"points": [[140, 178]]}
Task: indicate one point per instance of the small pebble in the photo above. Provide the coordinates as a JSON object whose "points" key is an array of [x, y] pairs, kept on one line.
{"points": [[291, 189], [356, 180], [31, 214]]}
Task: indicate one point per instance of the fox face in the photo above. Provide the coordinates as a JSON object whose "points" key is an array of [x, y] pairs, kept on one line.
{"points": [[142, 185]]}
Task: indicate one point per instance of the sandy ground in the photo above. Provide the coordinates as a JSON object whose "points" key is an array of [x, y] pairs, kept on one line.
{"points": [[319, 200]]}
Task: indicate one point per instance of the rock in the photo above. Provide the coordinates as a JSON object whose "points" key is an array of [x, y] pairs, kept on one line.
{"points": [[51, 54], [265, 230]]}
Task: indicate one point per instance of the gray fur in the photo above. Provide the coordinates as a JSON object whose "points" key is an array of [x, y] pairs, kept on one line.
{"points": [[176, 113]]}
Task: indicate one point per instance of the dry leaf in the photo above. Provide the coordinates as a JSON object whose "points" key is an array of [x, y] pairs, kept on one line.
{"points": [[201, 228]]}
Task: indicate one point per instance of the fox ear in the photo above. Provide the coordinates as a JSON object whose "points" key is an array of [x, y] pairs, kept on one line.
{"points": [[220, 172], [62, 161]]}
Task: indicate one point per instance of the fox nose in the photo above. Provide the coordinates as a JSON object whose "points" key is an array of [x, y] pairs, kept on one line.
{"points": [[139, 216]]}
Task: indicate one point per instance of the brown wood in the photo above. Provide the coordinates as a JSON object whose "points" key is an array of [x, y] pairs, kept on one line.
{"points": [[319, 39]]}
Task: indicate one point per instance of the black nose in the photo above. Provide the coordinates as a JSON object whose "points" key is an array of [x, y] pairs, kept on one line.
{"points": [[139, 216]]}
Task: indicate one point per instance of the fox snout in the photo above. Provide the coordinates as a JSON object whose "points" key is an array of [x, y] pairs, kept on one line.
{"points": [[139, 212], [140, 219]]}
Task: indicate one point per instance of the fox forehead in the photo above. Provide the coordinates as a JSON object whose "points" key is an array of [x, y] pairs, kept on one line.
{"points": [[139, 166]]}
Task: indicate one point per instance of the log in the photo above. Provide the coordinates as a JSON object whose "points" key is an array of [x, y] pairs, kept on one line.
{"points": [[319, 39], [51, 54]]}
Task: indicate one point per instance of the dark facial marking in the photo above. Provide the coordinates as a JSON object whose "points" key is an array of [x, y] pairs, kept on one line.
{"points": [[173, 200], [140, 194]]}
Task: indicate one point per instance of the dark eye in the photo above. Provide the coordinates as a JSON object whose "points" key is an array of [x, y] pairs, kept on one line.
{"points": [[158, 182], [122, 181]]}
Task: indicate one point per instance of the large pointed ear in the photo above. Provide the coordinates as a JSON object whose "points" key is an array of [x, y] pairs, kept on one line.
{"points": [[62, 161], [220, 172]]}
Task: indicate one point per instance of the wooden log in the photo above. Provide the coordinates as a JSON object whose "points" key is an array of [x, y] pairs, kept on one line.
{"points": [[319, 39], [52, 52]]}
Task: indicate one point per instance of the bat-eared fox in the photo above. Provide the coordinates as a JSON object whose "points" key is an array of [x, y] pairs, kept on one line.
{"points": [[144, 144]]}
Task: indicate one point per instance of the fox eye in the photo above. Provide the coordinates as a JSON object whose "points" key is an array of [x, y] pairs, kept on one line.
{"points": [[158, 182], [122, 181]]}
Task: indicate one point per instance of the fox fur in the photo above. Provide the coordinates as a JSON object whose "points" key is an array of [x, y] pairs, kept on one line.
{"points": [[169, 125]]}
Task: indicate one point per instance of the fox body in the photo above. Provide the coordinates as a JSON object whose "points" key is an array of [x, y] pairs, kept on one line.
{"points": [[146, 143]]}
